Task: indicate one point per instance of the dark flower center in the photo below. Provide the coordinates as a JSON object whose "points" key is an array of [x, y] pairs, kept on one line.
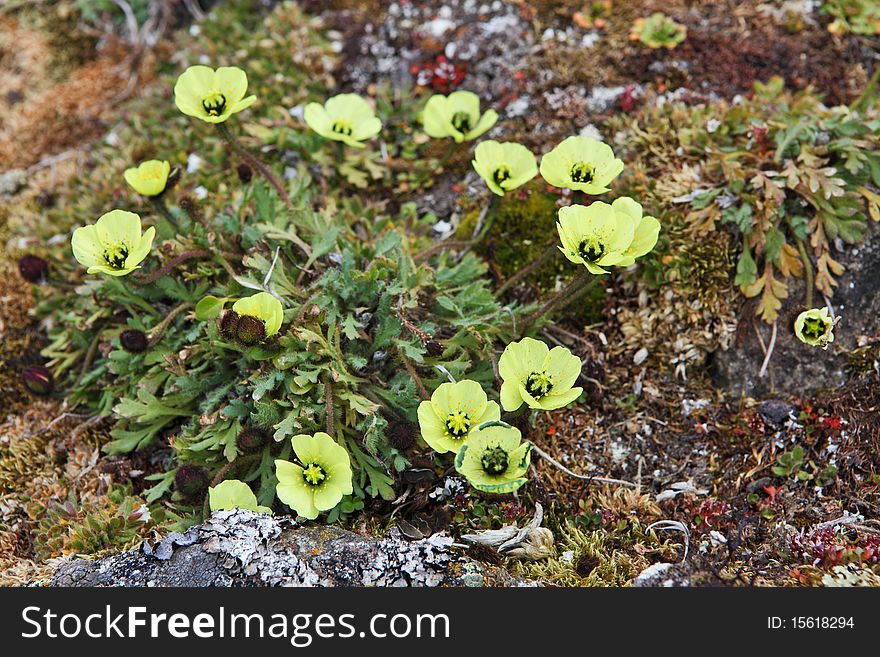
{"points": [[501, 174], [115, 256], [461, 121], [494, 461], [314, 474], [215, 104], [538, 384], [458, 424], [581, 172], [814, 328], [341, 128], [591, 250]]}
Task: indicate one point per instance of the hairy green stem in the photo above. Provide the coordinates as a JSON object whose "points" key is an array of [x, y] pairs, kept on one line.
{"points": [[859, 103], [159, 204], [264, 171], [160, 328], [570, 292], [168, 266], [328, 396], [547, 253], [808, 272]]}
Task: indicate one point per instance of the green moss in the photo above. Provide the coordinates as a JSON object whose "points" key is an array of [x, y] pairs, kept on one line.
{"points": [[524, 226], [602, 557]]}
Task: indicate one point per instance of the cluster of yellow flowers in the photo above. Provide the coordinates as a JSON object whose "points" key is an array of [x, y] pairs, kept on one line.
{"points": [[458, 418]]}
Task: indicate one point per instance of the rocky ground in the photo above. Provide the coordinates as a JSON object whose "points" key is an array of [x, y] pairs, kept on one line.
{"points": [[761, 456]]}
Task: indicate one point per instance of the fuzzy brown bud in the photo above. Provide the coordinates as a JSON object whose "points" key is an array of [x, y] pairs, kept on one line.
{"points": [[250, 440], [133, 341], [229, 324], [250, 330], [33, 268], [245, 173], [38, 379], [191, 481]]}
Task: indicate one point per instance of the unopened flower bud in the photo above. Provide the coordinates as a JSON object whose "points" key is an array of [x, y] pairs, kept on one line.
{"points": [[250, 330], [192, 481], [245, 173], [434, 348], [38, 379], [33, 268], [251, 439], [401, 435], [229, 324], [133, 340]]}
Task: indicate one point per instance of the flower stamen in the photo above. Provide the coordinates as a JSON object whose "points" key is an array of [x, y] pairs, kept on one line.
{"points": [[116, 256], [581, 172], [591, 250], [313, 474], [458, 424], [461, 121], [214, 104], [494, 460], [539, 384], [341, 128], [501, 174]]}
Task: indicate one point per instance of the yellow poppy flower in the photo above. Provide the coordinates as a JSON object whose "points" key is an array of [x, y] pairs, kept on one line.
{"points": [[815, 327], [210, 95], [647, 230], [257, 317], [494, 459], [603, 235], [347, 118], [320, 480], [538, 376], [234, 494], [504, 165], [148, 178], [113, 245], [454, 409], [456, 115], [581, 163]]}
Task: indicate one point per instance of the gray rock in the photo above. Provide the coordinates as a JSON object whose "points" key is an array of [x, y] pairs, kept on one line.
{"points": [[12, 181], [795, 368], [776, 412], [241, 548]]}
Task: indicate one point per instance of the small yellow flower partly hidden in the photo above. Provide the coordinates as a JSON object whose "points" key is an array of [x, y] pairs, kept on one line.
{"points": [[347, 118], [538, 376], [453, 411], [601, 235], [259, 317], [234, 494], [504, 165], [321, 478], [456, 115], [815, 327], [113, 245], [210, 95], [494, 459], [148, 178], [581, 163]]}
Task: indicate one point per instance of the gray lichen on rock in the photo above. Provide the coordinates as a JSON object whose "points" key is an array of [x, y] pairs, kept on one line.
{"points": [[242, 548]]}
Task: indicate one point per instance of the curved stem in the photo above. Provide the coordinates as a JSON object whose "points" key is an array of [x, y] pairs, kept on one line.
{"points": [[423, 391], [571, 291], [160, 328], [439, 246], [548, 251], [870, 88], [328, 396], [160, 206], [168, 266], [808, 272], [264, 171]]}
